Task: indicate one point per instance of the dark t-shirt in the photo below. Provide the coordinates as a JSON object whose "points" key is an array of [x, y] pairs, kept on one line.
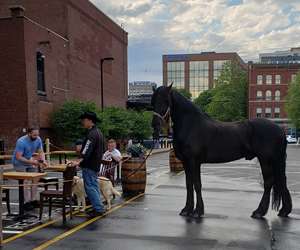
{"points": [[92, 150]]}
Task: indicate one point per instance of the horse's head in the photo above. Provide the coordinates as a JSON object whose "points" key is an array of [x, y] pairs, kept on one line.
{"points": [[161, 108]]}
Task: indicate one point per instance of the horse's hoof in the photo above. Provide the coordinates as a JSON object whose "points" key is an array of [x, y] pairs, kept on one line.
{"points": [[197, 214], [186, 212], [257, 215], [283, 214]]}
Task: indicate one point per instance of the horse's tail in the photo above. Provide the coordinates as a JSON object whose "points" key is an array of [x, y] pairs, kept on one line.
{"points": [[279, 186]]}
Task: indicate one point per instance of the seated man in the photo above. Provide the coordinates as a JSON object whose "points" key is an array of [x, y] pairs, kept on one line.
{"points": [[112, 152], [27, 157]]}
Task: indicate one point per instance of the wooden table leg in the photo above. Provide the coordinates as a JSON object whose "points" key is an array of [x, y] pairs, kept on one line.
{"points": [[21, 197]]}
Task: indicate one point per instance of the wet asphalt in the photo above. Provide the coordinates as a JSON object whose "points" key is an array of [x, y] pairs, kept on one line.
{"points": [[230, 192]]}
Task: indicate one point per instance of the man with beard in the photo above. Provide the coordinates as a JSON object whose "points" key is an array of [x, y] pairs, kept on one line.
{"points": [[28, 155]]}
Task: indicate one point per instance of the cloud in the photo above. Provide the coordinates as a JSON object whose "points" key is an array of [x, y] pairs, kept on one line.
{"points": [[248, 27]]}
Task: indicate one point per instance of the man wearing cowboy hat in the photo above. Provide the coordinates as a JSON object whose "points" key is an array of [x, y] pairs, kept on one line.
{"points": [[91, 155]]}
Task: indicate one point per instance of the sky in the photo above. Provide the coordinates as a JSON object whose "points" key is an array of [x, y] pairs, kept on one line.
{"points": [[157, 27]]}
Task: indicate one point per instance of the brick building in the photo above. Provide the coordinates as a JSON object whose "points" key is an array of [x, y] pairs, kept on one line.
{"points": [[50, 52], [196, 72], [268, 86]]}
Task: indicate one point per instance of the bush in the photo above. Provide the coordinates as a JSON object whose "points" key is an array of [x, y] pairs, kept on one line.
{"points": [[117, 123], [65, 121]]}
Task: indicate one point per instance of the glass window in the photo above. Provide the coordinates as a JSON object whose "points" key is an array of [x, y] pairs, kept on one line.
{"points": [[277, 95], [268, 95], [278, 79], [175, 74], [268, 112], [259, 79], [258, 112], [277, 112], [269, 79], [218, 67], [293, 77], [259, 95], [40, 64], [199, 82]]}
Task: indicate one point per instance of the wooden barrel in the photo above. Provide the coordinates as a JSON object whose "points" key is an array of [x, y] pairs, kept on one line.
{"points": [[175, 164], [133, 176]]}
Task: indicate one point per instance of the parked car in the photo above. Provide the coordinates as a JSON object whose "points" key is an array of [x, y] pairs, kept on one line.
{"points": [[291, 139]]}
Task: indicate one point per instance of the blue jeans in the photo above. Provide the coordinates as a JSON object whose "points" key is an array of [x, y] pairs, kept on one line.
{"points": [[91, 187]]}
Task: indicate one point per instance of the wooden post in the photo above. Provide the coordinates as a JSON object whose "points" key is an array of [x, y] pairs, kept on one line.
{"points": [[1, 207], [48, 159]]}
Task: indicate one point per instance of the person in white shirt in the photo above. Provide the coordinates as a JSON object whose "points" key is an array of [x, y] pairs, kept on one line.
{"points": [[112, 152]]}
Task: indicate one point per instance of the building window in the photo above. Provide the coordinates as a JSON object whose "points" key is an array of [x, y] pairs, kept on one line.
{"points": [[268, 113], [258, 112], [278, 79], [293, 77], [40, 63], [175, 72], [277, 113], [259, 80], [198, 77], [268, 95], [259, 95], [277, 95], [218, 67], [269, 79]]}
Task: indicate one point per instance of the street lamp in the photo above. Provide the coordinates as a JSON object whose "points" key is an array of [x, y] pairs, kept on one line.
{"points": [[101, 67]]}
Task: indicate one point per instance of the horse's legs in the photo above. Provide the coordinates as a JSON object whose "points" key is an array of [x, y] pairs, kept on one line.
{"points": [[189, 206], [199, 211], [268, 184]]}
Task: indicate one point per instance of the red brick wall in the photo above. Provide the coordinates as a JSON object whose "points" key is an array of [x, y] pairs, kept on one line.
{"points": [[286, 74], [13, 94], [73, 36]]}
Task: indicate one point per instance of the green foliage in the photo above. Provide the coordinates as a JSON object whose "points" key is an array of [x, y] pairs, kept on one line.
{"points": [[185, 93], [66, 123], [292, 105], [115, 122], [141, 125], [136, 151], [204, 99], [228, 100]]}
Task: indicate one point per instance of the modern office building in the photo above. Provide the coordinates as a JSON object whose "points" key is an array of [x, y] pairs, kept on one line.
{"points": [[196, 72], [281, 57], [268, 87], [50, 52], [138, 88]]}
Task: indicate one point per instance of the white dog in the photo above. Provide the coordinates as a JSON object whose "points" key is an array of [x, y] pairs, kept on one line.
{"points": [[78, 190], [107, 190], [105, 186]]}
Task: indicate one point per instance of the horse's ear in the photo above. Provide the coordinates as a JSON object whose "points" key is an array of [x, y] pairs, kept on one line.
{"points": [[170, 86]]}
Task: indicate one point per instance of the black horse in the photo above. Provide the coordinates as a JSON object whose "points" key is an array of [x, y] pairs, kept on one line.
{"points": [[198, 139]]}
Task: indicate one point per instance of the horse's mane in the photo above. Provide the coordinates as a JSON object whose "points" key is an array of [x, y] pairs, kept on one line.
{"points": [[186, 104]]}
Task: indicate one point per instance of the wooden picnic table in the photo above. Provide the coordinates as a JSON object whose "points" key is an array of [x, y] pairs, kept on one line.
{"points": [[21, 177], [56, 168], [64, 153], [5, 157]]}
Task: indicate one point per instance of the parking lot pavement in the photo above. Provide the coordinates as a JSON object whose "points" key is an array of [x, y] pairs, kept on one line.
{"points": [[151, 221]]}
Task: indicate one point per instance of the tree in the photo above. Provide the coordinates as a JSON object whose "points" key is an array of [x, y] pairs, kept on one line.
{"points": [[292, 105], [229, 100], [185, 93], [204, 99], [117, 123], [141, 125], [65, 121]]}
